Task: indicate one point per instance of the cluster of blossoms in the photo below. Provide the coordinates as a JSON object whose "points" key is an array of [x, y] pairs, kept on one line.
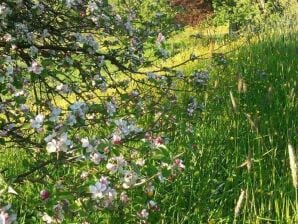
{"points": [[200, 77], [78, 111], [59, 210], [102, 192], [59, 143], [91, 149], [5, 216], [193, 106], [88, 41], [124, 129], [37, 122]]}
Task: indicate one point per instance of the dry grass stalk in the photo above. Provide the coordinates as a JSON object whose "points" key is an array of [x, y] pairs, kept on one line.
{"points": [[293, 165], [233, 101], [239, 203]]}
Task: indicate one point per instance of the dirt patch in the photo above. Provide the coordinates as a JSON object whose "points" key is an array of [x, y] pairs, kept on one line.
{"points": [[193, 12]]}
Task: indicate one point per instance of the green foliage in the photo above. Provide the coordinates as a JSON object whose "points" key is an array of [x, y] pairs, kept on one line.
{"points": [[249, 12]]}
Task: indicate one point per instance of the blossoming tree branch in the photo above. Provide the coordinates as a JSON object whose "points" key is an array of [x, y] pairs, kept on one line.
{"points": [[79, 91]]}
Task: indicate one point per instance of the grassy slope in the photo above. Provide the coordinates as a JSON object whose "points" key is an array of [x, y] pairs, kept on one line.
{"points": [[258, 129]]}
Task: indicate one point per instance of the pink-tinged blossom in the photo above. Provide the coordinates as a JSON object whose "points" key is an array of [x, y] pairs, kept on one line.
{"points": [[143, 214], [5, 217], [179, 163], [116, 139], [116, 164], [158, 141], [35, 68], [110, 196], [103, 192], [124, 198], [97, 157]]}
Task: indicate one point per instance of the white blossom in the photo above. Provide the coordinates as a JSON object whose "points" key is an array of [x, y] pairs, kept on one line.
{"points": [[97, 157], [111, 108], [129, 179], [62, 143], [37, 122]]}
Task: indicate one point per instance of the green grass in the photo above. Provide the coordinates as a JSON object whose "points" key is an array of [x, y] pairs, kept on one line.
{"points": [[226, 138], [257, 129]]}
